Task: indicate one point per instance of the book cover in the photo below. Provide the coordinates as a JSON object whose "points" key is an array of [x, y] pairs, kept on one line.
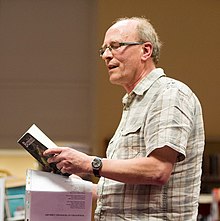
{"points": [[36, 142]]}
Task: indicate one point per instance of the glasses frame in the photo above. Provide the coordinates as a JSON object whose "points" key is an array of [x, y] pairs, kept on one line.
{"points": [[120, 44]]}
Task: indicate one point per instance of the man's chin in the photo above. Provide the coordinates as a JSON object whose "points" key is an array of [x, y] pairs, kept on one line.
{"points": [[113, 79]]}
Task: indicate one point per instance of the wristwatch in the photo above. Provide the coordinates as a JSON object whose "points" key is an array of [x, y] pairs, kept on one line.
{"points": [[96, 166]]}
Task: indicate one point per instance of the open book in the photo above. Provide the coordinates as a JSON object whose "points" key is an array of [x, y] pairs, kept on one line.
{"points": [[36, 142]]}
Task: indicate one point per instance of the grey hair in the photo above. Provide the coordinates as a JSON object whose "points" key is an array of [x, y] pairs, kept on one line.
{"points": [[146, 32]]}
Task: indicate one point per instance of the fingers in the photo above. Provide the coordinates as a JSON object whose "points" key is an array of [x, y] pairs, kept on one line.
{"points": [[53, 159], [53, 154], [67, 160], [63, 167], [59, 166], [52, 151]]}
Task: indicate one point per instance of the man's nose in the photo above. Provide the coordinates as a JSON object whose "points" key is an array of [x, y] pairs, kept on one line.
{"points": [[107, 53]]}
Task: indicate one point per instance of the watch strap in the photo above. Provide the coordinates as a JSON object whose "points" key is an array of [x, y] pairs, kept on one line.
{"points": [[96, 173]]}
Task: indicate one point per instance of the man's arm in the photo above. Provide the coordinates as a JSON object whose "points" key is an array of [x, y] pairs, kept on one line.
{"points": [[154, 169]]}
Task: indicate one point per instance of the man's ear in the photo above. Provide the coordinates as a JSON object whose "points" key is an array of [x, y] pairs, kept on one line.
{"points": [[147, 50]]}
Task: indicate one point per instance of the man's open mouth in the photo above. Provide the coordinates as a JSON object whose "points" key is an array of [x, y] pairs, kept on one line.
{"points": [[110, 67]]}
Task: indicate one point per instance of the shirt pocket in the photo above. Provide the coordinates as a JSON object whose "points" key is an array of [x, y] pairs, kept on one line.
{"points": [[131, 142], [131, 128]]}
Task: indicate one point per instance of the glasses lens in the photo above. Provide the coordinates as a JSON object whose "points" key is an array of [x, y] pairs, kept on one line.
{"points": [[102, 50], [115, 45]]}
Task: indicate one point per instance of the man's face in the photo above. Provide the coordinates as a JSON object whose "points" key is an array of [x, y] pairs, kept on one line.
{"points": [[123, 63]]}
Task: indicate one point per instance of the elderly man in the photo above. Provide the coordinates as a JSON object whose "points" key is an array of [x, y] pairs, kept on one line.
{"points": [[152, 169]]}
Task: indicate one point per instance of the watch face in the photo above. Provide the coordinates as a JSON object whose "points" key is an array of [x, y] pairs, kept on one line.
{"points": [[96, 163]]}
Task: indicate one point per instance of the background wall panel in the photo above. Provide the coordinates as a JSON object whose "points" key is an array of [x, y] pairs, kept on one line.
{"points": [[46, 68]]}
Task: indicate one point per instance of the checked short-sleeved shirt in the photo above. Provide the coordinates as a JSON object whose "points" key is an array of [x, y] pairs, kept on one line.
{"points": [[159, 112]]}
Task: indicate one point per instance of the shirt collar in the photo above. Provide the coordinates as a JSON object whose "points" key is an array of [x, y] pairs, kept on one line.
{"points": [[144, 84], [147, 81]]}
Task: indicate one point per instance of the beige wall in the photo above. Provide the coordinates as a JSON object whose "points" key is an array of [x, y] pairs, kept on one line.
{"points": [[46, 69], [15, 163]]}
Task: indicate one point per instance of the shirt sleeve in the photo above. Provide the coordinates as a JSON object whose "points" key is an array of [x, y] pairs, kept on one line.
{"points": [[170, 120]]}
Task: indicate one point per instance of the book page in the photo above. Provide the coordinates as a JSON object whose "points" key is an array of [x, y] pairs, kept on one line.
{"points": [[40, 136], [44, 181], [51, 197], [66, 206]]}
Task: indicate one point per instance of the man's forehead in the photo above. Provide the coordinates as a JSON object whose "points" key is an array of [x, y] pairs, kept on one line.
{"points": [[124, 26], [121, 31], [125, 23]]}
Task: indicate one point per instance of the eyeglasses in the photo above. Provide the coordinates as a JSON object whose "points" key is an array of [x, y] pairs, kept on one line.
{"points": [[116, 45]]}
